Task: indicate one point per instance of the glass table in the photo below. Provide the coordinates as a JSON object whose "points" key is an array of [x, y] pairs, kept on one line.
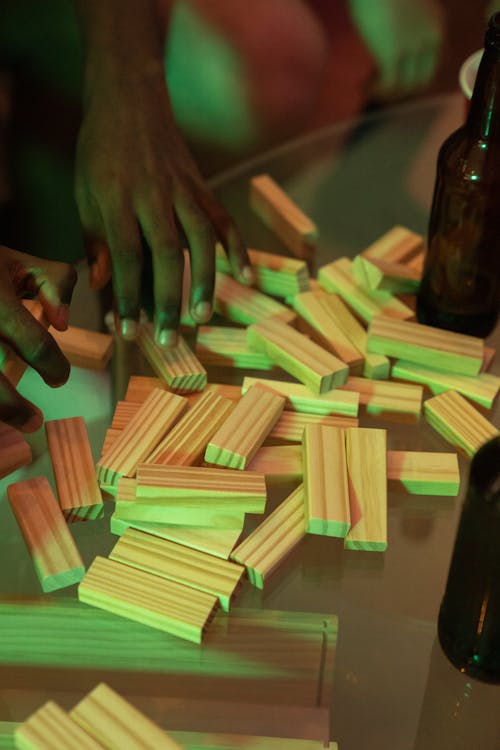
{"points": [[392, 686]]}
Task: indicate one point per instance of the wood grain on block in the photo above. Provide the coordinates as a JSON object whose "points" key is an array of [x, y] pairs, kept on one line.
{"points": [[109, 438], [124, 411], [152, 421], [242, 433], [11, 365], [278, 463], [125, 591], [178, 367], [245, 305], [140, 387], [290, 426], [185, 444], [282, 216], [481, 388], [489, 355], [14, 450], [458, 422], [299, 398], [232, 392], [387, 399], [220, 346], [325, 481], [316, 368], [367, 471], [116, 723], [50, 728], [55, 556], [415, 342], [177, 562], [398, 245], [83, 348], [74, 472], [367, 303], [424, 473], [277, 275], [397, 278], [267, 546]]}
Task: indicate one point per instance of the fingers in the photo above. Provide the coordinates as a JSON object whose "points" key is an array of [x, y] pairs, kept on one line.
{"points": [[17, 411]]}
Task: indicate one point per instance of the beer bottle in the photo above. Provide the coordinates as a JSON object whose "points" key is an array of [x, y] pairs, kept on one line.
{"points": [[469, 617], [460, 288]]}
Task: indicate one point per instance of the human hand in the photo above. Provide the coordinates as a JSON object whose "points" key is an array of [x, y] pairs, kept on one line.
{"points": [[52, 283], [404, 36]]}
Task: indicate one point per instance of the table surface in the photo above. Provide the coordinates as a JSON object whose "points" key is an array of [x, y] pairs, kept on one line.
{"points": [[393, 688]]}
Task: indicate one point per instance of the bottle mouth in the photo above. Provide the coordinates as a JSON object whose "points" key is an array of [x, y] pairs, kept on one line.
{"points": [[492, 36]]}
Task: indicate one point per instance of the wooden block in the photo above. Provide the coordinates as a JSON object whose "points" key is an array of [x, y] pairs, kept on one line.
{"points": [[481, 388], [282, 216], [124, 411], [290, 426], [12, 366], [458, 422], [73, 465], [56, 559], [242, 433], [140, 387], [489, 355], [82, 348], [126, 591], [220, 346], [245, 305], [176, 562], [276, 275], [419, 343], [398, 245], [424, 473], [397, 278], [232, 392], [116, 723], [14, 450], [185, 444], [50, 728], [299, 398], [367, 471], [266, 547], [279, 463], [367, 303], [177, 367], [109, 438], [325, 481], [381, 398], [142, 434], [318, 369]]}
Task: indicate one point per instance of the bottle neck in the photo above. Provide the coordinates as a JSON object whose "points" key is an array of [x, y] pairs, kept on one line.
{"points": [[483, 120]]}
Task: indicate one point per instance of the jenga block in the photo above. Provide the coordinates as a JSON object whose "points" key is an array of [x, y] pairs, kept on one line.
{"points": [[125, 591], [232, 392], [71, 456], [424, 473], [14, 450], [481, 388], [299, 398], [318, 369], [278, 463], [386, 398], [489, 355], [242, 433], [325, 481], [266, 547], [458, 422], [220, 346], [140, 387], [367, 303], [142, 434], [398, 245], [397, 278], [56, 559], [124, 411], [177, 367], [50, 728], [282, 216], [276, 275], [290, 426], [116, 723], [82, 348], [175, 562], [109, 438], [245, 305], [366, 467], [12, 366], [185, 444], [447, 350]]}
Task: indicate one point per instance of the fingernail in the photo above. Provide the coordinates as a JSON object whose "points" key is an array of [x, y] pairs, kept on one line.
{"points": [[203, 311], [63, 317], [33, 423], [167, 338], [128, 328], [247, 274]]}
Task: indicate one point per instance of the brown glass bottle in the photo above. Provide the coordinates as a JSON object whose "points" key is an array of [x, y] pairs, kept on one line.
{"points": [[460, 289]]}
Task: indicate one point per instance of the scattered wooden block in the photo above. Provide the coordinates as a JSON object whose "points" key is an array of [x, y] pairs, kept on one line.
{"points": [[489, 355], [176, 562], [109, 438], [50, 728], [367, 471], [56, 559], [126, 591], [124, 412], [82, 348], [156, 416], [300, 399], [242, 433], [266, 547], [290, 426], [177, 367], [220, 346], [279, 463], [481, 388], [424, 473], [282, 216], [140, 387], [447, 350], [398, 245], [325, 481], [14, 450], [245, 305], [458, 422], [73, 465], [276, 275], [12, 366], [381, 398], [319, 370], [397, 278]]}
